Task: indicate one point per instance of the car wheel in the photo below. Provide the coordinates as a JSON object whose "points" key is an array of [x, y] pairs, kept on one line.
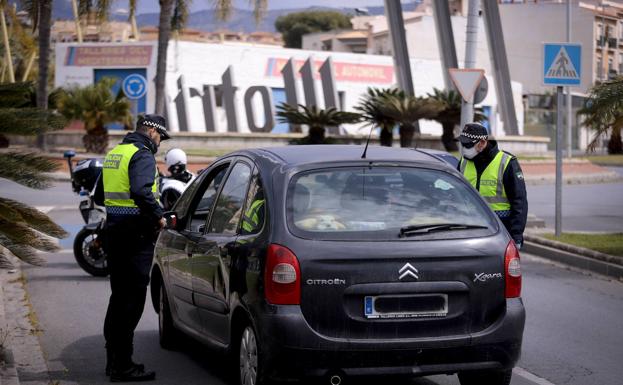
{"points": [[486, 377], [250, 370], [169, 335]]}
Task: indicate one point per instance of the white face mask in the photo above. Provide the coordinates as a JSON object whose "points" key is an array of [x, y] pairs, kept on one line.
{"points": [[469, 153]]}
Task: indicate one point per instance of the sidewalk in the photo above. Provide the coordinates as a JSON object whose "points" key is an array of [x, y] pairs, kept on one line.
{"points": [[24, 361], [8, 371]]}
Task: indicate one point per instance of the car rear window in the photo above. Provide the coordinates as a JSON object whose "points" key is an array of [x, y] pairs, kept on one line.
{"points": [[375, 203]]}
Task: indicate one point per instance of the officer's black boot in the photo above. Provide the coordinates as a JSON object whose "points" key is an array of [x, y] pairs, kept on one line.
{"points": [[110, 362], [132, 373]]}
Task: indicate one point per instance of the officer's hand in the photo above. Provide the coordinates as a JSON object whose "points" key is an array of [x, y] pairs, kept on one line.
{"points": [[161, 223], [518, 245]]}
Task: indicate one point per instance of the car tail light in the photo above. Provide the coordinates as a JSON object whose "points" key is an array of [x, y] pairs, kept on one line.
{"points": [[282, 277], [512, 267]]}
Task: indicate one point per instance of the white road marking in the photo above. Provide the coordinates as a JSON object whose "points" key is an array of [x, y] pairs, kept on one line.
{"points": [[531, 377]]}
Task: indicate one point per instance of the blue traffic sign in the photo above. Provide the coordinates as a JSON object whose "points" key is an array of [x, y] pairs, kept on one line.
{"points": [[562, 64], [134, 86]]}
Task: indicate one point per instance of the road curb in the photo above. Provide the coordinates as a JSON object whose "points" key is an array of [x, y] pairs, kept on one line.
{"points": [[575, 249], [8, 370], [575, 260]]}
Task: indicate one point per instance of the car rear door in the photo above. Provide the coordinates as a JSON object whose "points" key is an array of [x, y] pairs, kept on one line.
{"points": [[212, 257]]}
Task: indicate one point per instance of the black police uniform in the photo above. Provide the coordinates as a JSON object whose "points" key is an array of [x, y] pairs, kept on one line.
{"points": [[130, 247], [514, 185]]}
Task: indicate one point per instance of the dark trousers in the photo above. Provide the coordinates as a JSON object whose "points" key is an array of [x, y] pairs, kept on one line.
{"points": [[130, 255]]}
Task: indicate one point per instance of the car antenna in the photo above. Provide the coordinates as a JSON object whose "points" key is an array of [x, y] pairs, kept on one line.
{"points": [[365, 150]]}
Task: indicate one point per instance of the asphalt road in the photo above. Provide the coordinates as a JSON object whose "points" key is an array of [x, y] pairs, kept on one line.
{"points": [[572, 332], [585, 207]]}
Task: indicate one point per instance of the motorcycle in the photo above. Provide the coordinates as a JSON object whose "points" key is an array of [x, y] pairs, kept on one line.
{"points": [[85, 181], [88, 247]]}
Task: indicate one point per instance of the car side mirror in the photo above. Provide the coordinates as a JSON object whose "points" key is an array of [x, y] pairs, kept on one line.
{"points": [[171, 219]]}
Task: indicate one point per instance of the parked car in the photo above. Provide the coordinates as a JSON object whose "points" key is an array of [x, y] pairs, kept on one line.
{"points": [[311, 261]]}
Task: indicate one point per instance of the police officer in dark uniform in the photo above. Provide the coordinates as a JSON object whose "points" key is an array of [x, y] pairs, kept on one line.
{"points": [[134, 218], [497, 176]]}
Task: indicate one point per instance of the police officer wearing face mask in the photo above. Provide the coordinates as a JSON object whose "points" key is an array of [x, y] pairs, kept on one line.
{"points": [[497, 176], [134, 218]]}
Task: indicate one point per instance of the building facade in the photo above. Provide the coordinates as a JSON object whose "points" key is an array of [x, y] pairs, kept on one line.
{"points": [[240, 91]]}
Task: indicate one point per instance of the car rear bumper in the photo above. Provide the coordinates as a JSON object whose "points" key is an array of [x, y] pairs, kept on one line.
{"points": [[296, 350]]}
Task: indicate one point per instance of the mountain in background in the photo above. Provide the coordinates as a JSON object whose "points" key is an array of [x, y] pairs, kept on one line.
{"points": [[205, 20]]}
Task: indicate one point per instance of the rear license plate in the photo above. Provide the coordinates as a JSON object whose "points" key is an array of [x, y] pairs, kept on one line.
{"points": [[406, 306]]}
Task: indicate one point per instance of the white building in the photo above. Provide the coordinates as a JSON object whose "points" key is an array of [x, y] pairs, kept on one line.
{"points": [[193, 67]]}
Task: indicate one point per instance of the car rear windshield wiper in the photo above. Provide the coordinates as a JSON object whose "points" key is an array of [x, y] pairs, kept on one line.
{"points": [[434, 227]]}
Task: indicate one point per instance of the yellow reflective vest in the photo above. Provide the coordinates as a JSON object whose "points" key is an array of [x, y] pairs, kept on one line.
{"points": [[251, 218], [491, 186], [117, 180]]}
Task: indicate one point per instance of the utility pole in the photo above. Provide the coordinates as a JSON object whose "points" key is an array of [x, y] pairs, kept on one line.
{"points": [[471, 42]]}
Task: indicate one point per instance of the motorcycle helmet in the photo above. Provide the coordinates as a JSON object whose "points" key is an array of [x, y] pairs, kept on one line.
{"points": [[175, 160]]}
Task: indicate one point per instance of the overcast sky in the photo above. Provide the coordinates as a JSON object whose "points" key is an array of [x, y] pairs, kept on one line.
{"points": [[145, 6]]}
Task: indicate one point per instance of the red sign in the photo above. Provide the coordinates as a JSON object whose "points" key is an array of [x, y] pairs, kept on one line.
{"points": [[350, 72], [106, 56]]}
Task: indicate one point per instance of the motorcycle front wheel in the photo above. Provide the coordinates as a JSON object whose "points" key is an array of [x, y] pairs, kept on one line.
{"points": [[90, 254]]}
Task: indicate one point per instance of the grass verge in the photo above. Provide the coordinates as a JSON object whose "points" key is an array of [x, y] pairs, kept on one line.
{"points": [[607, 160], [605, 243]]}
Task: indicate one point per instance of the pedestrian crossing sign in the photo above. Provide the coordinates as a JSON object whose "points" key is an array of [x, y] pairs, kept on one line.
{"points": [[562, 64]]}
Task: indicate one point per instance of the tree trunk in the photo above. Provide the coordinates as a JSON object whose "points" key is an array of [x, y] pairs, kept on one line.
{"points": [[7, 46], [164, 33], [96, 140], [387, 136], [447, 138], [45, 23], [316, 135], [406, 135], [614, 144]]}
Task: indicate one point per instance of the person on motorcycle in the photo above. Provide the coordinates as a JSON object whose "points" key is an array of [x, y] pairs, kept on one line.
{"points": [[176, 161], [172, 186]]}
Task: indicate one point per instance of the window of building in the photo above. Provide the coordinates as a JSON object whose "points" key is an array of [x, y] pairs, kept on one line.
{"points": [[621, 63]]}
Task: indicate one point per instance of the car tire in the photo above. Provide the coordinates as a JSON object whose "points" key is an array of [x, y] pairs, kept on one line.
{"points": [[168, 334], [250, 362], [486, 377]]}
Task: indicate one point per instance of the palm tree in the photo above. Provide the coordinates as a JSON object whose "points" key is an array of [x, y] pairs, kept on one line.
{"points": [[132, 17], [406, 110], [25, 46], [96, 107], [370, 108], [22, 227], [173, 16], [317, 120], [603, 112], [7, 45], [40, 12], [450, 115], [164, 34]]}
